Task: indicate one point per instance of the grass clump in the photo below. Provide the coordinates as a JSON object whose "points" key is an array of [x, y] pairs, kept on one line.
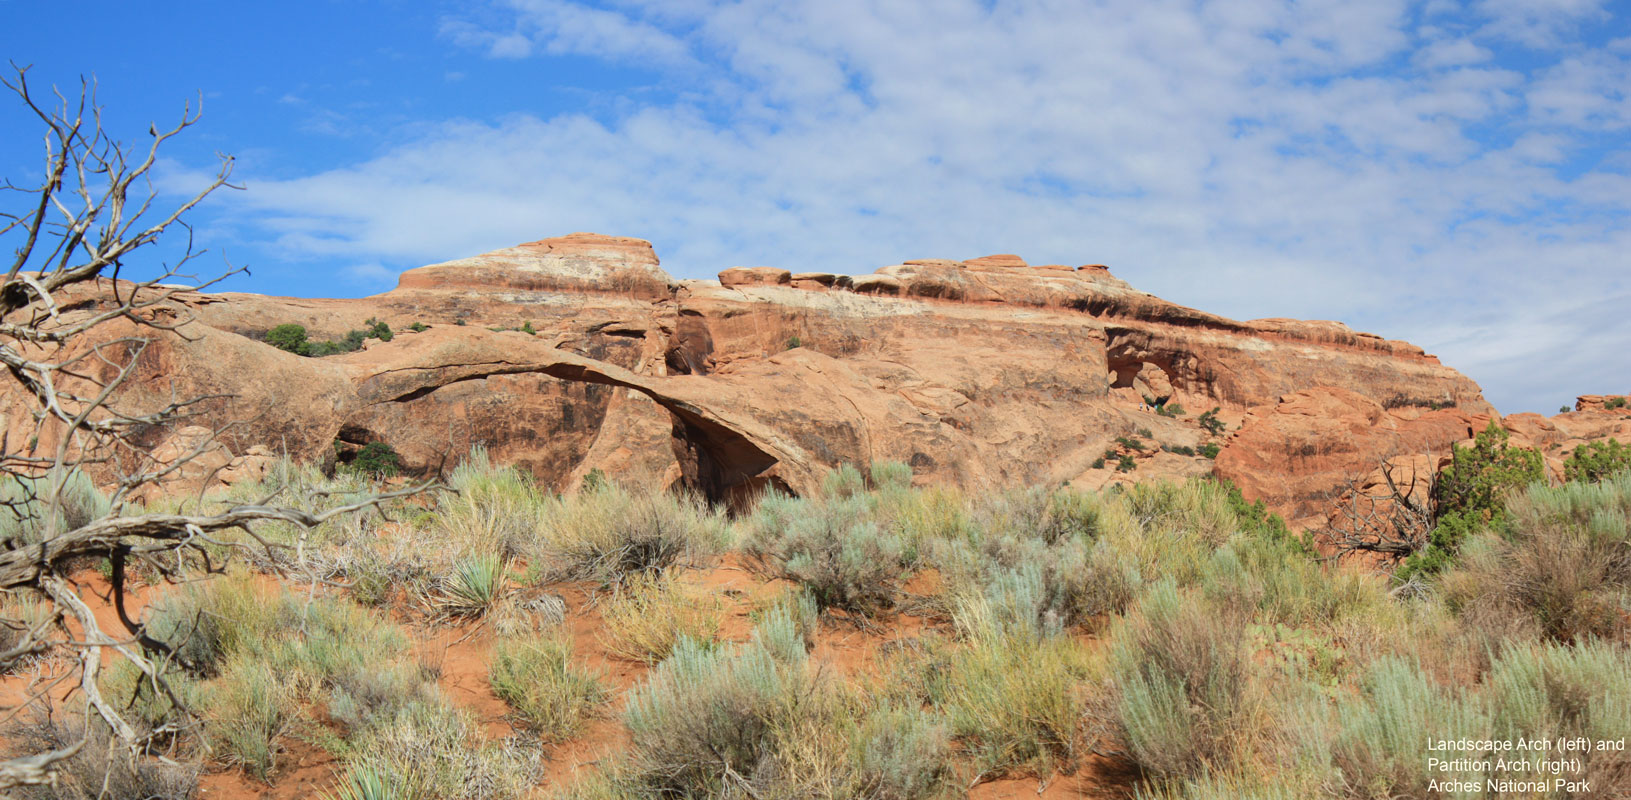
{"points": [[535, 676], [649, 614], [612, 532], [33, 509], [1010, 695]]}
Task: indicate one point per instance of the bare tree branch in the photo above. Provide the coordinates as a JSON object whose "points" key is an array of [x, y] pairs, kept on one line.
{"points": [[65, 374]]}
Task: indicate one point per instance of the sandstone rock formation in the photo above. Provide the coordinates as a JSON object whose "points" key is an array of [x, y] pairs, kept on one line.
{"points": [[982, 373]]}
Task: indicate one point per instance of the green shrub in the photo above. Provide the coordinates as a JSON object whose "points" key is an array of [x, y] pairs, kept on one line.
{"points": [[1098, 463], [535, 676], [1565, 692], [1470, 494], [1126, 464], [376, 459], [1614, 402], [1210, 422], [1170, 410], [1597, 460], [843, 481], [365, 782], [377, 329], [1130, 444], [288, 337], [1144, 432], [794, 342], [1210, 450], [1179, 449], [418, 327], [890, 476]]}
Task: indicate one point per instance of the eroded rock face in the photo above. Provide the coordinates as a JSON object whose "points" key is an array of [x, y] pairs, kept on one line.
{"points": [[981, 373]]}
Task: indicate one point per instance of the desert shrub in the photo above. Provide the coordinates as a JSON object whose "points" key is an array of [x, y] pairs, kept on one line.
{"points": [[649, 614], [1098, 463], [430, 751], [1210, 422], [924, 517], [1170, 410], [376, 459], [473, 586], [1470, 494], [794, 342], [755, 720], [1210, 450], [902, 754], [364, 782], [21, 614], [835, 548], [1597, 460], [1126, 464], [535, 676], [1614, 402], [247, 708], [1181, 678], [787, 625], [843, 481], [890, 476], [288, 337], [1179, 449], [608, 534], [418, 327], [1552, 691], [705, 714], [1377, 746], [101, 769], [1010, 695], [1133, 444], [28, 515], [493, 508], [1563, 560]]}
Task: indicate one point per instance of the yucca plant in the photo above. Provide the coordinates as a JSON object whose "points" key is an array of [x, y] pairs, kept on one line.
{"points": [[476, 583], [365, 782]]}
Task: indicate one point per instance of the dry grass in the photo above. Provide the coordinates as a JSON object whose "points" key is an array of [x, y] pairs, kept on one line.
{"points": [[649, 614]]}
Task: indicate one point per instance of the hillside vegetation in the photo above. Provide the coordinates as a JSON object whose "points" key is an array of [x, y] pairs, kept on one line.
{"points": [[1165, 640]]}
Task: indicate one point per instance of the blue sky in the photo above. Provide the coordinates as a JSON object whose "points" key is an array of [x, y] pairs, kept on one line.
{"points": [[1457, 174]]}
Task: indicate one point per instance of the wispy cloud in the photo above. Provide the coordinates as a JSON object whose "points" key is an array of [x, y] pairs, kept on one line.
{"points": [[1375, 162]]}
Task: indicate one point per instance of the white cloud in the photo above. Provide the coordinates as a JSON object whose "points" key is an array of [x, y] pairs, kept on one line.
{"points": [[1261, 158], [1538, 23]]}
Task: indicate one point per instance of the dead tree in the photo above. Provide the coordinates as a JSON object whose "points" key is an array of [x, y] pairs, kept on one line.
{"points": [[72, 334], [1393, 525]]}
